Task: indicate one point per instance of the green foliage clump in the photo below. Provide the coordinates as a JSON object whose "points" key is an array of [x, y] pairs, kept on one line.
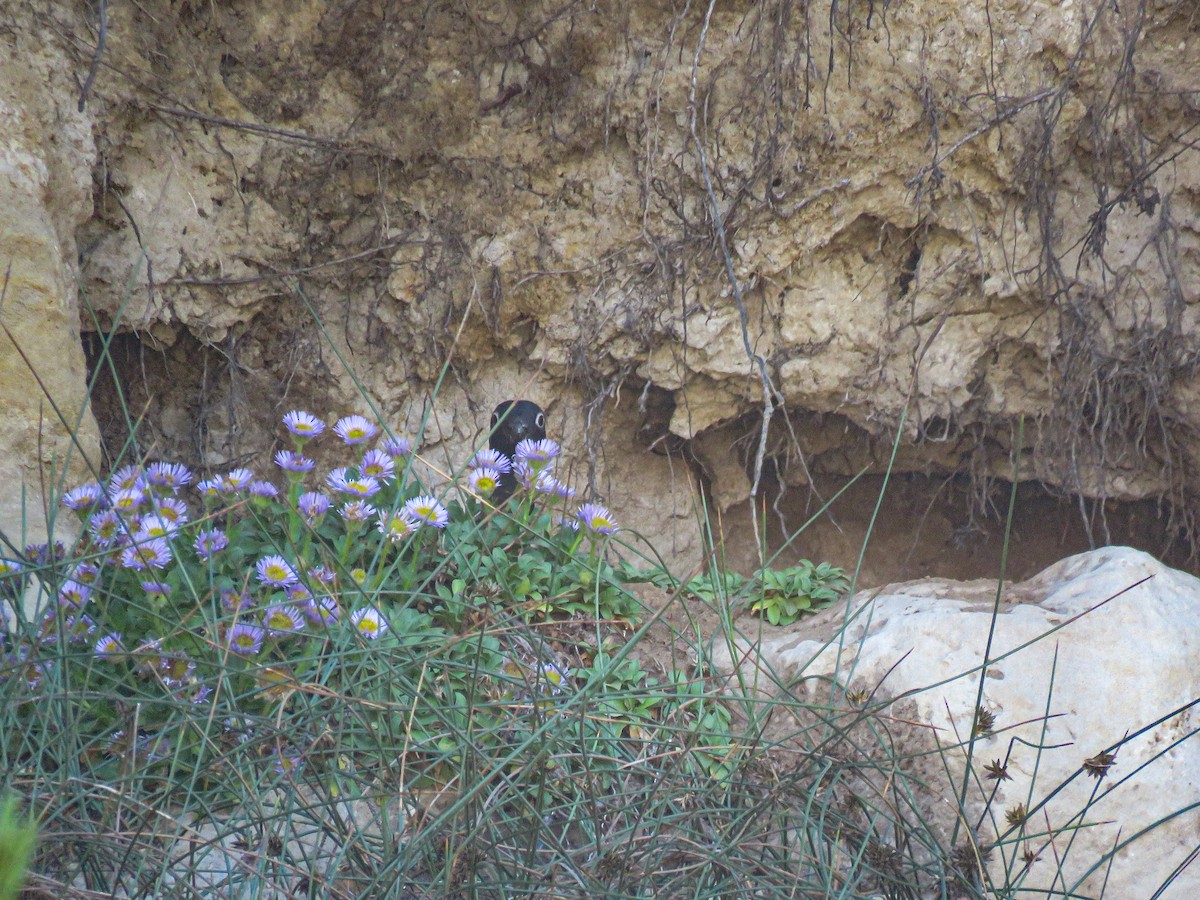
{"points": [[360, 605], [781, 596], [17, 837], [679, 714]]}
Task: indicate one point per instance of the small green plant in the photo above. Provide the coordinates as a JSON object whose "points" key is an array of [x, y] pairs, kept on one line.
{"points": [[680, 717], [716, 585], [17, 837], [781, 596]]}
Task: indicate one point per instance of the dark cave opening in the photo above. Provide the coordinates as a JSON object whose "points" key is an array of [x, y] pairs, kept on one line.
{"points": [[943, 526]]}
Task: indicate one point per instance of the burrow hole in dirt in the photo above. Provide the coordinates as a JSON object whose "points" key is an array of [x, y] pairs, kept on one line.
{"points": [[934, 526]]}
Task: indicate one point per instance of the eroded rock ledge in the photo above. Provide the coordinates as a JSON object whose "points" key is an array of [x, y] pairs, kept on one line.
{"points": [[939, 218]]}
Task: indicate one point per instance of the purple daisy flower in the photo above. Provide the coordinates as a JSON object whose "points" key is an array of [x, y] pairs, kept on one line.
{"points": [[492, 459], [171, 476], [236, 601], [337, 478], [369, 622], [152, 554], [126, 478], [200, 693], [355, 429], [396, 526], [291, 461], [357, 511], [302, 424], [397, 447], [84, 498], [209, 542], [322, 575], [10, 587], [287, 763], [154, 526], [209, 487], [127, 500], [246, 639], [72, 593], [377, 464], [426, 511], [322, 612], [48, 627], [35, 673], [80, 628], [176, 670], [109, 646], [235, 480], [313, 506], [362, 486], [84, 573], [282, 620], [548, 484], [299, 594], [538, 454], [484, 480], [526, 476], [597, 519], [275, 571], [106, 527], [172, 510], [156, 589], [553, 676], [43, 554], [263, 490]]}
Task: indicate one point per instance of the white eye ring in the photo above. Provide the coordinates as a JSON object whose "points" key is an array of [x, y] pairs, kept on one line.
{"points": [[541, 421]]}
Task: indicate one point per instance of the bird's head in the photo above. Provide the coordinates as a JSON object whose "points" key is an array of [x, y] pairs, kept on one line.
{"points": [[514, 421]]}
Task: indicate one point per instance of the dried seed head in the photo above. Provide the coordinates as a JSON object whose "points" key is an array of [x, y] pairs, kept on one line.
{"points": [[997, 771], [1097, 766], [1029, 857], [985, 723]]}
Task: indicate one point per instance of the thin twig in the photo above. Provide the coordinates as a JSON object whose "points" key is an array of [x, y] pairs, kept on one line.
{"points": [[95, 66], [246, 126], [768, 388], [285, 273], [1003, 116]]}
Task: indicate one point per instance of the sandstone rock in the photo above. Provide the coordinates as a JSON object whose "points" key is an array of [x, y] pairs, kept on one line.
{"points": [[46, 155], [1098, 652], [943, 217]]}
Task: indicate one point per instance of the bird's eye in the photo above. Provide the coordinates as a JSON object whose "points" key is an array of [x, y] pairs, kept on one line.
{"points": [[495, 420], [541, 421]]}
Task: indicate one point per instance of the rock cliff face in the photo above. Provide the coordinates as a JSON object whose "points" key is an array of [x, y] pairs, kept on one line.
{"points": [[875, 220], [46, 156]]}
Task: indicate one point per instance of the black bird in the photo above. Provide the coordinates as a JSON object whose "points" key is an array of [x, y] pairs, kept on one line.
{"points": [[513, 422]]}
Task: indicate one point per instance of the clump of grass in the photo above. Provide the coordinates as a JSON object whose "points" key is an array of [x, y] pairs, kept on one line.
{"points": [[17, 838], [208, 649], [350, 683]]}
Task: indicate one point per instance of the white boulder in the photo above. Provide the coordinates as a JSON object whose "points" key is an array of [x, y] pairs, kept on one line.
{"points": [[1099, 652]]}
